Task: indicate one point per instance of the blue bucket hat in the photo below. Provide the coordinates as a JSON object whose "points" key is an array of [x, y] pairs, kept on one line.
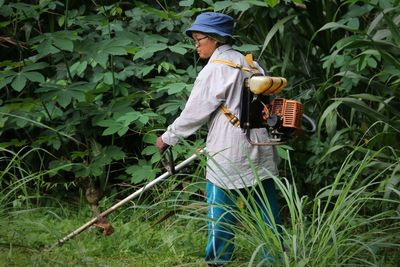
{"points": [[214, 23]]}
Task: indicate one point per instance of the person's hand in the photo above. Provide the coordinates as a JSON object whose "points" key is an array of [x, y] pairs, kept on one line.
{"points": [[161, 145]]}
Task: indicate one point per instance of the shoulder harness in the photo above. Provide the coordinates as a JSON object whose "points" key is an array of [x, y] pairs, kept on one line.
{"points": [[253, 69]]}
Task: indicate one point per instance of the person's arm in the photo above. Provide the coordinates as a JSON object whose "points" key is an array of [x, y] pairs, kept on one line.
{"points": [[207, 94]]}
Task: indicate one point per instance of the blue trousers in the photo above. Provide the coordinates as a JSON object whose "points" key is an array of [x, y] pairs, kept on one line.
{"points": [[220, 202]]}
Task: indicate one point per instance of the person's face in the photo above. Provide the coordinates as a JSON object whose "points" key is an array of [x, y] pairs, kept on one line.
{"points": [[205, 45]]}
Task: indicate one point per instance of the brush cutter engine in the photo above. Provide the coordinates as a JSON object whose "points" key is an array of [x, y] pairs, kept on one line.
{"points": [[282, 117]]}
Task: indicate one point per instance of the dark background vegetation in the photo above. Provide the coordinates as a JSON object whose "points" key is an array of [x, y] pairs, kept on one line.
{"points": [[86, 87]]}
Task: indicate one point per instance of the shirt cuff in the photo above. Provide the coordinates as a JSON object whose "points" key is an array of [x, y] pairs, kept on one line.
{"points": [[170, 138]]}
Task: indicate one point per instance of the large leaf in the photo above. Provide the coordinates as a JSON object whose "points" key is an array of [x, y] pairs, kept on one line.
{"points": [[34, 76], [19, 82], [171, 107], [361, 106], [178, 48], [393, 27], [278, 25], [121, 121], [105, 156], [18, 79], [51, 43], [174, 88], [129, 117], [221, 5], [247, 48], [186, 3], [331, 108], [101, 51], [114, 152], [148, 52], [272, 3], [112, 126], [78, 68], [354, 76], [144, 171], [337, 25], [64, 93], [115, 46], [35, 66], [5, 81]]}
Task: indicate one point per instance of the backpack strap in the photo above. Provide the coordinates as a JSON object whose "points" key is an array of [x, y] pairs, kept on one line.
{"points": [[249, 59], [231, 64], [253, 69], [232, 118]]}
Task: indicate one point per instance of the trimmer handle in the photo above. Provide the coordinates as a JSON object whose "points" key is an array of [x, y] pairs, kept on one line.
{"points": [[168, 164]]}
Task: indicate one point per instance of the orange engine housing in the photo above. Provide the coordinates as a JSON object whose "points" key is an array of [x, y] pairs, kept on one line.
{"points": [[290, 111]]}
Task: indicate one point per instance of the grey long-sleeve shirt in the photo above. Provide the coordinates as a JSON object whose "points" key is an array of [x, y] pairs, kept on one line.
{"points": [[232, 160]]}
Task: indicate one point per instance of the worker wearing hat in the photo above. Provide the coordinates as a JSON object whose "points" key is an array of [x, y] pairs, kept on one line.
{"points": [[232, 160]]}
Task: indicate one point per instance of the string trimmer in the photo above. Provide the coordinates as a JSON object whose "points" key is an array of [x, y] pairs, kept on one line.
{"points": [[171, 169]]}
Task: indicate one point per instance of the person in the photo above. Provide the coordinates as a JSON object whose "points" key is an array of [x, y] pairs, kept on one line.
{"points": [[231, 158]]}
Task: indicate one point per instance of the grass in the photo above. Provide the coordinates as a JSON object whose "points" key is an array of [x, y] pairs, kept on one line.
{"points": [[135, 242], [355, 221], [351, 222], [29, 227]]}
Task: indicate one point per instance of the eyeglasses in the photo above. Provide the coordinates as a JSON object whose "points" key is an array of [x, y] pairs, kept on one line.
{"points": [[197, 41]]}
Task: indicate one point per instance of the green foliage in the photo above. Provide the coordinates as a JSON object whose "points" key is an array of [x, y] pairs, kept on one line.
{"points": [[93, 76], [27, 73], [86, 87], [352, 221], [361, 82], [135, 243], [110, 73]]}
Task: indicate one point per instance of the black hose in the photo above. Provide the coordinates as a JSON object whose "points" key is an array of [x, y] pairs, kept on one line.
{"points": [[311, 122]]}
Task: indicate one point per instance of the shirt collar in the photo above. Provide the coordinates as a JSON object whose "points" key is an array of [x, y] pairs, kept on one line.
{"points": [[221, 49]]}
